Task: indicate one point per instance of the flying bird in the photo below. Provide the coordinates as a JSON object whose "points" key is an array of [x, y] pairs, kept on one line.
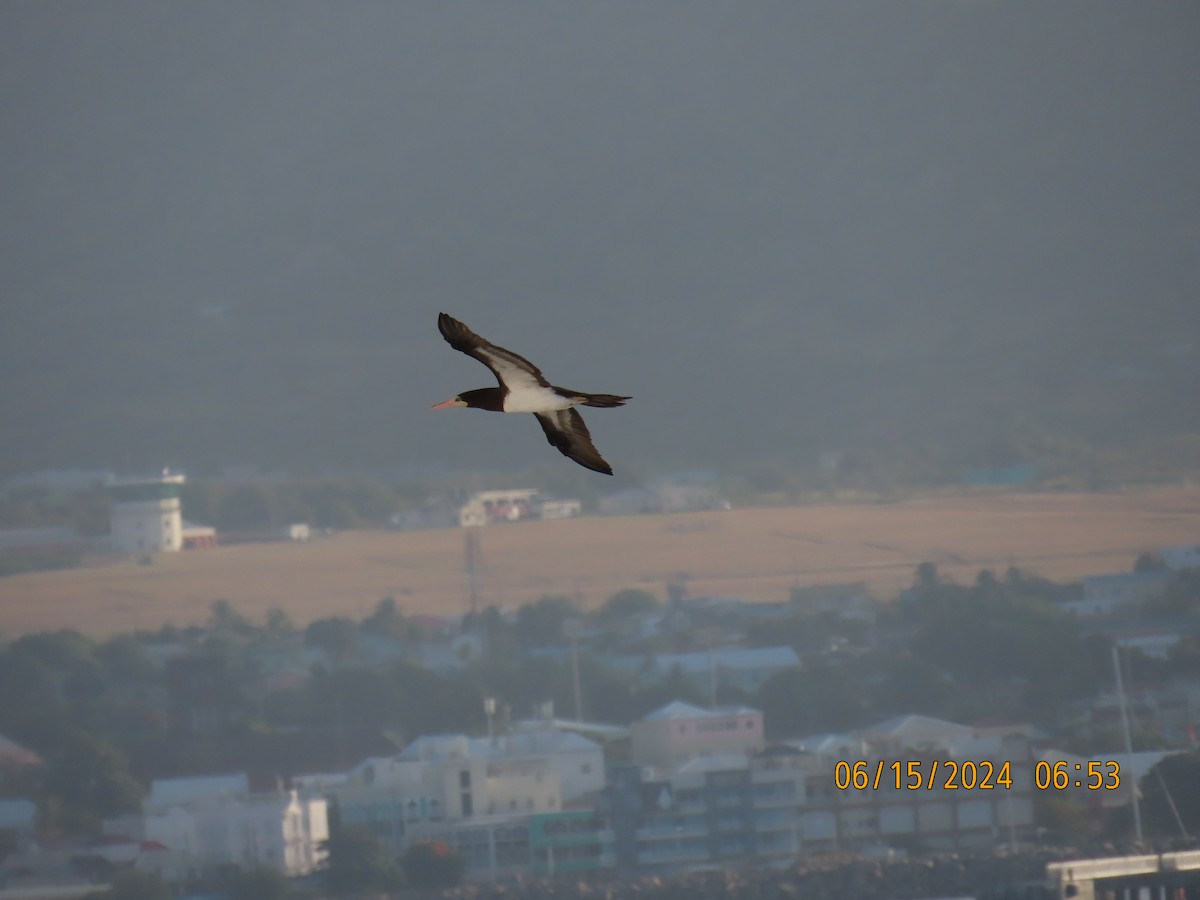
{"points": [[523, 388]]}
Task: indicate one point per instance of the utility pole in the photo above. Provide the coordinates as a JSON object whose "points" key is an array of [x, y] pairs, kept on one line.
{"points": [[471, 550], [1137, 807], [571, 629]]}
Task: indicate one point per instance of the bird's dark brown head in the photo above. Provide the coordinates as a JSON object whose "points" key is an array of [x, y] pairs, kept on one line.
{"points": [[480, 398]]}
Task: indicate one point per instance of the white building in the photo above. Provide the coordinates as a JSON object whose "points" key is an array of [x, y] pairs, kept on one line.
{"points": [[1186, 556], [577, 761], [1104, 595], [718, 809], [485, 507], [678, 732], [450, 778], [211, 822], [145, 514], [839, 815], [558, 509]]}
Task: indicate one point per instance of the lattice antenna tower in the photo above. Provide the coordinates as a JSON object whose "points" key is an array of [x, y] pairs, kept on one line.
{"points": [[473, 562]]}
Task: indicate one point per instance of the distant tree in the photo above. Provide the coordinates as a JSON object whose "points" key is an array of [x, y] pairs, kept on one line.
{"points": [[1060, 816], [132, 884], [808, 633], [1180, 596], [89, 775], [432, 864], [1171, 795], [336, 635], [260, 884], [358, 862], [412, 697], [642, 700], [927, 576], [898, 683], [809, 701], [245, 507], [10, 842], [29, 693], [986, 581], [387, 619], [983, 638], [1149, 562], [279, 623], [61, 650], [520, 681], [1184, 657], [625, 603], [492, 625], [541, 623], [223, 617], [85, 685], [125, 658]]}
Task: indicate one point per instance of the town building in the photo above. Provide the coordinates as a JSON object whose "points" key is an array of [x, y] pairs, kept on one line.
{"points": [[144, 514], [1185, 556], [941, 815], [488, 507], [210, 822], [1123, 592], [713, 810], [679, 732], [514, 505], [478, 795]]}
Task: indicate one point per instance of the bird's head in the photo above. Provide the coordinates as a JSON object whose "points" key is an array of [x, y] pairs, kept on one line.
{"points": [[456, 400]]}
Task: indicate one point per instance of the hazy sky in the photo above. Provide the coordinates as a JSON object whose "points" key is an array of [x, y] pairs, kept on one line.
{"points": [[228, 226]]}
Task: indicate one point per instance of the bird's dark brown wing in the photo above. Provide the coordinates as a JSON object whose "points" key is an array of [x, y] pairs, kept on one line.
{"points": [[565, 430], [512, 370]]}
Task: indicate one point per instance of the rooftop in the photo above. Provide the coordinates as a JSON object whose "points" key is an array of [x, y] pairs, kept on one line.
{"points": [[677, 709]]}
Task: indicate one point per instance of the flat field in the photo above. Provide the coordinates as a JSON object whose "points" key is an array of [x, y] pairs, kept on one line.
{"points": [[757, 554]]}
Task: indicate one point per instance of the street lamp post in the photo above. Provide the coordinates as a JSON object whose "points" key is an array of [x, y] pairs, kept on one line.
{"points": [[489, 709]]}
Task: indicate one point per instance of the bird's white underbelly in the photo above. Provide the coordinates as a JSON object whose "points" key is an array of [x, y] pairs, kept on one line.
{"points": [[529, 400]]}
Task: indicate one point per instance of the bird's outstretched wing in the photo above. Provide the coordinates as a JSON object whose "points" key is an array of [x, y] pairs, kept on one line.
{"points": [[566, 430], [512, 370]]}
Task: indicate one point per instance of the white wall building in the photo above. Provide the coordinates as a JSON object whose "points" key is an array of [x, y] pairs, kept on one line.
{"points": [[450, 778], [1186, 556], [1105, 595], [144, 515], [577, 761], [211, 822], [443, 784], [678, 732], [943, 816]]}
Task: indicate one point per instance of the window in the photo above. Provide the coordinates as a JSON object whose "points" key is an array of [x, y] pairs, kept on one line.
{"points": [[464, 779]]}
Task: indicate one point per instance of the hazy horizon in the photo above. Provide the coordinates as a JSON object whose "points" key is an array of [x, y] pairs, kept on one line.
{"points": [[783, 229]]}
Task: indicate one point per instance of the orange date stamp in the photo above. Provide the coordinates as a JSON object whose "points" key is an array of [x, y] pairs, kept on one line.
{"points": [[921, 774]]}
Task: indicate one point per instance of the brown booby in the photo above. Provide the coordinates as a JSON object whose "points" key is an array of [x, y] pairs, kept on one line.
{"points": [[523, 388]]}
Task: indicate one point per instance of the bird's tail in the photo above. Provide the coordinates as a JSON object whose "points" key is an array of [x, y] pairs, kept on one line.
{"points": [[603, 400]]}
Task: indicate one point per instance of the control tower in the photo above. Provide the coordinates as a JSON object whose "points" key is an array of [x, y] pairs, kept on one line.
{"points": [[145, 514]]}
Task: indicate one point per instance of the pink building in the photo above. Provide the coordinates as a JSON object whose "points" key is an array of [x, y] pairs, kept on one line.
{"points": [[679, 732]]}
